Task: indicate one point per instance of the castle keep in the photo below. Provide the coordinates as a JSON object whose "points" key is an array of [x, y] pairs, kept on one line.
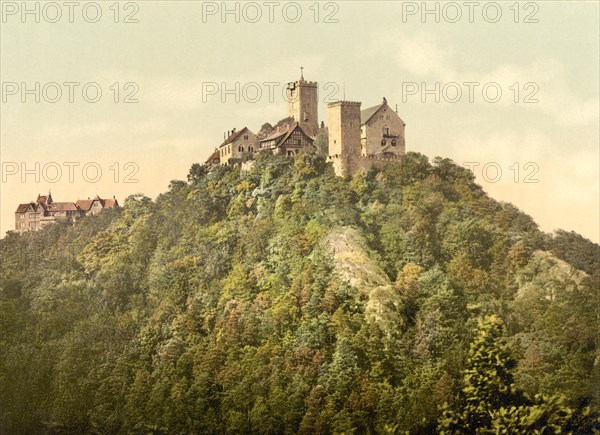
{"points": [[358, 139], [303, 104]]}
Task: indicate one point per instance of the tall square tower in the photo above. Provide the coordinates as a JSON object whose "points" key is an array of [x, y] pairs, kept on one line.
{"points": [[344, 127], [344, 135], [303, 105]]}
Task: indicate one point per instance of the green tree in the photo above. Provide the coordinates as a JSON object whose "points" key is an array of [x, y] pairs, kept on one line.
{"points": [[490, 403]]}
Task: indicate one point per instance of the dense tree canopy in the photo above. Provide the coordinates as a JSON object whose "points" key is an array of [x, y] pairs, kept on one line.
{"points": [[284, 299]]}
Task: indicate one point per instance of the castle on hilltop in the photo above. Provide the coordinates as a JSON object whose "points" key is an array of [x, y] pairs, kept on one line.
{"points": [[35, 215], [358, 139]]}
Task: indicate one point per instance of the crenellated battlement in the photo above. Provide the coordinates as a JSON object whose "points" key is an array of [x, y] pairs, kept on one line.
{"points": [[304, 83], [344, 103]]}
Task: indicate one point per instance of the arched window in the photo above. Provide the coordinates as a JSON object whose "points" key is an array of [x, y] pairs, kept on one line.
{"points": [[386, 130], [383, 142], [251, 149], [241, 148], [394, 142]]}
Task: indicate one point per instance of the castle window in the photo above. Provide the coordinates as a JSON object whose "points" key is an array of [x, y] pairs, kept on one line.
{"points": [[241, 148], [383, 142], [394, 142], [251, 148], [245, 137]]}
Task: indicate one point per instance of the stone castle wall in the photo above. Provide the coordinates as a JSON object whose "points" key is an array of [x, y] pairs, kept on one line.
{"points": [[344, 128], [350, 165]]}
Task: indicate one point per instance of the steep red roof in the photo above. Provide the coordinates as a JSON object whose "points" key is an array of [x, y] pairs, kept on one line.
{"points": [[62, 206], [283, 135], [86, 204], [22, 208], [233, 137], [278, 133], [111, 203]]}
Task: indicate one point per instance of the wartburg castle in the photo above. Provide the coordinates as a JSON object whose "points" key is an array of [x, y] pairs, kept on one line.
{"points": [[358, 139]]}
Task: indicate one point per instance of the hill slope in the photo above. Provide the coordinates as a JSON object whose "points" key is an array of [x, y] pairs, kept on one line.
{"points": [[285, 299]]}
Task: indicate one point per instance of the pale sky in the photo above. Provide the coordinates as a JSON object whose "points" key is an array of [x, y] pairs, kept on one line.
{"points": [[188, 64]]}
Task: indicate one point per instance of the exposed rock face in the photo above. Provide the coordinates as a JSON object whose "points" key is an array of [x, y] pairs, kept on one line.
{"points": [[354, 263], [352, 260], [556, 267], [548, 275]]}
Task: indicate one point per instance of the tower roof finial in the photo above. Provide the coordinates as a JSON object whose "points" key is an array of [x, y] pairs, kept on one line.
{"points": [[301, 73]]}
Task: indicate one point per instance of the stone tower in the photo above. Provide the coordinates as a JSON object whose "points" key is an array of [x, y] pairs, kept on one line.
{"points": [[303, 104], [344, 135]]}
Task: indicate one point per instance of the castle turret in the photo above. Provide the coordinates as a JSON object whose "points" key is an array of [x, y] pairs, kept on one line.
{"points": [[303, 105], [344, 135]]}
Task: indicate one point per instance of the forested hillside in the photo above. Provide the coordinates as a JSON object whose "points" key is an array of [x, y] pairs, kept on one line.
{"points": [[287, 300]]}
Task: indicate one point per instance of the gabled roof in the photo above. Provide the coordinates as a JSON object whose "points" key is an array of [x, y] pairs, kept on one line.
{"points": [[62, 206], [234, 137], [278, 133], [282, 135], [22, 208], [86, 204], [214, 158], [111, 203], [367, 114]]}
